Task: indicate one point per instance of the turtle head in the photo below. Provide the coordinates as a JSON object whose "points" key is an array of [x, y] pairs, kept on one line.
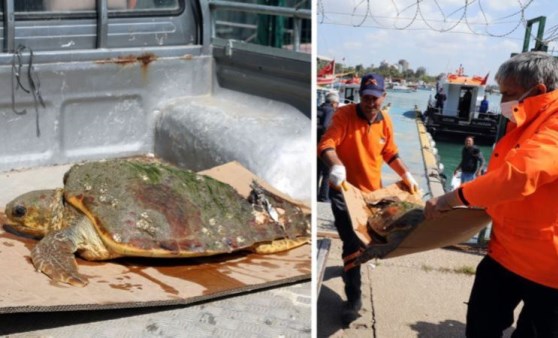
{"points": [[37, 212]]}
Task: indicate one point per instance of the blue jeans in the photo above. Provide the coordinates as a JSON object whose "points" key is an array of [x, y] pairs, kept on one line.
{"points": [[466, 177]]}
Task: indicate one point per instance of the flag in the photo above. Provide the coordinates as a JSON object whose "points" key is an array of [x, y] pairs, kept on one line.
{"points": [[328, 69], [483, 82]]}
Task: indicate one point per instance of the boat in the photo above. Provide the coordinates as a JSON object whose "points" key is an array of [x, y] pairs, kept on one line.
{"points": [[459, 115], [397, 87], [400, 89], [348, 90], [425, 87], [346, 87]]}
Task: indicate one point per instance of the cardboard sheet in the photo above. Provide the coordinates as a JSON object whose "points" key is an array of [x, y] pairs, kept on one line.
{"points": [[454, 227], [141, 282]]}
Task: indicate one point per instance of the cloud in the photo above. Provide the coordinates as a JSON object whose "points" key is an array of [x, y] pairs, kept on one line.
{"points": [[377, 39], [502, 5], [352, 45]]}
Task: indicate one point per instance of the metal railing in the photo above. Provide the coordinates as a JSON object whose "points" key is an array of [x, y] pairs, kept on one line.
{"points": [[296, 14]]}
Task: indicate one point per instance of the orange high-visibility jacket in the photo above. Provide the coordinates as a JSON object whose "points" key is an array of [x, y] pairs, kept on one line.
{"points": [[520, 192], [361, 146]]}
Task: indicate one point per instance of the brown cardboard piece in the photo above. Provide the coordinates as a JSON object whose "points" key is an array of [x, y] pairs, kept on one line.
{"points": [[133, 282], [453, 227]]}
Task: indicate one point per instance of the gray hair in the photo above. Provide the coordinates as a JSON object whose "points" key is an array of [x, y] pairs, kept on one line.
{"points": [[529, 69], [332, 97]]}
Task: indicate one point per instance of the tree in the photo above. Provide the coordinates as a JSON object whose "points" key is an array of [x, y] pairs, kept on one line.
{"points": [[421, 71], [404, 64], [339, 68], [359, 70], [387, 71], [408, 74]]}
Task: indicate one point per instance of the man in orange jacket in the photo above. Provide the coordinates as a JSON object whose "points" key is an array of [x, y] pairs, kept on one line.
{"points": [[358, 141], [519, 192]]}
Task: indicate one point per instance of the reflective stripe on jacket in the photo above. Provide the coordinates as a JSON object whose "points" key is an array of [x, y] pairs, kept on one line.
{"points": [[520, 192], [361, 146]]}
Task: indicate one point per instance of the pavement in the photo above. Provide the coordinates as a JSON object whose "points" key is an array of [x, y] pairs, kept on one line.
{"points": [[278, 312], [418, 295]]}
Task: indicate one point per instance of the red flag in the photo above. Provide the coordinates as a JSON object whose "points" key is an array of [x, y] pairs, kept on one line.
{"points": [[328, 69], [483, 82]]}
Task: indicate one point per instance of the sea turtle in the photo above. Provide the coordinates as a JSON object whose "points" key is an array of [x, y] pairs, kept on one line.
{"points": [[124, 207], [390, 221]]}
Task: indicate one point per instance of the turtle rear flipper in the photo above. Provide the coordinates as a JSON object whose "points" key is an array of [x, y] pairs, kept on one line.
{"points": [[54, 256]]}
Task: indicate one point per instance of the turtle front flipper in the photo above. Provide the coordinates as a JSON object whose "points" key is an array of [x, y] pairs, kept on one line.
{"points": [[54, 256]]}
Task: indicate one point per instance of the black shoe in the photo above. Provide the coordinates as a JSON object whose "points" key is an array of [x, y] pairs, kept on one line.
{"points": [[351, 312], [323, 199]]}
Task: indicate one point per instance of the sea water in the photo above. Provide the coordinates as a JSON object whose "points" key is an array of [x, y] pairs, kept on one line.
{"points": [[403, 107], [449, 151]]}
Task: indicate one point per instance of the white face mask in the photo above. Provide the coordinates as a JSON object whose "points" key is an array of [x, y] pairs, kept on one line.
{"points": [[507, 108]]}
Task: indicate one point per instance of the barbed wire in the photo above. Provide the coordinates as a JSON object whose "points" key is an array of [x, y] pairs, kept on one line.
{"points": [[420, 29], [366, 12], [321, 11], [412, 20], [521, 20], [552, 33], [360, 20], [432, 20]]}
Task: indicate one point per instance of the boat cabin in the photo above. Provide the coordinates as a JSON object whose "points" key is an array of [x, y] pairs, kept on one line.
{"points": [[349, 93], [460, 113], [461, 101]]}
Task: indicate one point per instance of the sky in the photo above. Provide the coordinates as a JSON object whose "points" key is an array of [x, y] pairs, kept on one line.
{"points": [[439, 36]]}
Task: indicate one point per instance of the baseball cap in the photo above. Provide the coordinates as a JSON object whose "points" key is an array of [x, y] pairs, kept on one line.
{"points": [[372, 84]]}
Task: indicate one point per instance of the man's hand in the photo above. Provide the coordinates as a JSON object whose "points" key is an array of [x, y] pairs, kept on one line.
{"points": [[437, 205], [337, 175], [410, 182]]}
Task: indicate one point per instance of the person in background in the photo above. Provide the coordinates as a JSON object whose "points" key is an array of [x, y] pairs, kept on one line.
{"points": [[483, 108], [465, 104], [324, 115], [359, 140], [519, 193], [471, 163], [440, 98]]}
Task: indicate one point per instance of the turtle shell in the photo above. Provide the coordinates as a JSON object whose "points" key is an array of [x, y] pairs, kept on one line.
{"points": [[390, 222], [389, 217], [145, 208]]}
